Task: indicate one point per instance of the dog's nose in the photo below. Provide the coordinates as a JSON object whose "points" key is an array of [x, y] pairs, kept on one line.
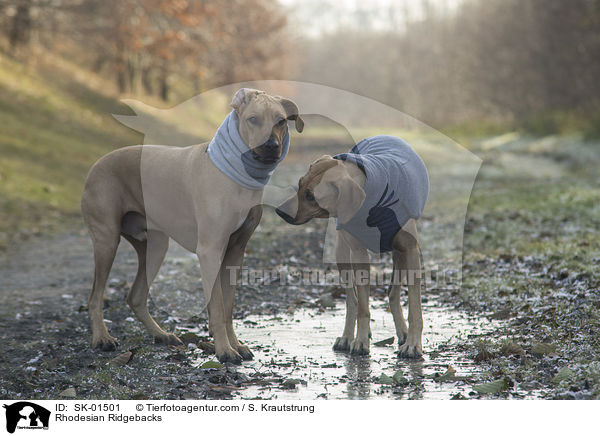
{"points": [[271, 144], [288, 219]]}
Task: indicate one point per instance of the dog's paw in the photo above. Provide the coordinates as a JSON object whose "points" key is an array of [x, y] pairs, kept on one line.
{"points": [[245, 352], [105, 343], [359, 347], [410, 351], [229, 355], [342, 344], [168, 339]]}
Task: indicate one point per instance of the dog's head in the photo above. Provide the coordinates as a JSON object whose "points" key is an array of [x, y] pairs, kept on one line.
{"points": [[325, 190], [262, 120]]}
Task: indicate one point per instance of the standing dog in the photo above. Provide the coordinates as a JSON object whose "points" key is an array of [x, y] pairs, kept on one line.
{"points": [[376, 192], [206, 197]]}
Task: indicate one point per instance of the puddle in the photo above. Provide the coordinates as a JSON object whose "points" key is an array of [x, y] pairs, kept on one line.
{"points": [[299, 346]]}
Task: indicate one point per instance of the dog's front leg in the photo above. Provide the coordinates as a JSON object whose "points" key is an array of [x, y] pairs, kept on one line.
{"points": [[344, 264], [230, 273], [361, 271], [210, 256], [394, 297], [360, 345]]}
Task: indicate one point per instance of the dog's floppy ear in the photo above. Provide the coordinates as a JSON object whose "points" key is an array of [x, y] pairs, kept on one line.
{"points": [[350, 196], [243, 96], [292, 112]]}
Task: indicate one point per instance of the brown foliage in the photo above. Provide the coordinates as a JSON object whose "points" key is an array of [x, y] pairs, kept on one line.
{"points": [[147, 44]]}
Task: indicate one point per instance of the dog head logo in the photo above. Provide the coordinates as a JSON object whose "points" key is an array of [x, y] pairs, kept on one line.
{"points": [[26, 415]]}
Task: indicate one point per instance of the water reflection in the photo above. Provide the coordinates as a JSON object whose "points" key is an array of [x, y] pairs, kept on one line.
{"points": [[299, 346], [415, 369], [358, 374]]}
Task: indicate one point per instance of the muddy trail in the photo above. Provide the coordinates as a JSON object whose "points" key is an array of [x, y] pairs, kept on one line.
{"points": [[45, 350]]}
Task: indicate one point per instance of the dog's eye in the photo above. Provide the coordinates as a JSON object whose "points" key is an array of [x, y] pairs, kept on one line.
{"points": [[253, 120], [281, 122], [309, 195]]}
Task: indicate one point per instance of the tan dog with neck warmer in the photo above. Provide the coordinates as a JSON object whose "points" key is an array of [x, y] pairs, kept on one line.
{"points": [[194, 203]]}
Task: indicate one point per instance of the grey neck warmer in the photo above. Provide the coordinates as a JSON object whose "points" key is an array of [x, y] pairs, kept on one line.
{"points": [[234, 158]]}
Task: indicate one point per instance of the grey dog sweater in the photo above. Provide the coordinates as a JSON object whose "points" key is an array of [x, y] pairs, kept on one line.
{"points": [[396, 189]]}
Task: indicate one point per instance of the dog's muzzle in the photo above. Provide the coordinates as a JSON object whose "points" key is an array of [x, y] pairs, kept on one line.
{"points": [[268, 153], [287, 218]]}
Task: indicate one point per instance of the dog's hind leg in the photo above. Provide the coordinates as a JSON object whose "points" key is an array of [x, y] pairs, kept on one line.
{"points": [[394, 296], [406, 243], [105, 248], [151, 253]]}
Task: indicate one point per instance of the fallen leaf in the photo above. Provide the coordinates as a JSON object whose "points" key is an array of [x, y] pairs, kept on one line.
{"points": [[207, 347], [399, 378], [291, 383], [222, 389], [542, 348], [562, 375], [491, 387], [383, 343], [510, 348], [189, 338], [211, 364], [122, 359], [386, 380], [448, 375], [68, 393]]}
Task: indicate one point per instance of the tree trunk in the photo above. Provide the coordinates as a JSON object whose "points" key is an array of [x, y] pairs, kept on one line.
{"points": [[121, 67], [164, 85], [21, 25], [121, 80], [147, 81], [132, 74]]}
